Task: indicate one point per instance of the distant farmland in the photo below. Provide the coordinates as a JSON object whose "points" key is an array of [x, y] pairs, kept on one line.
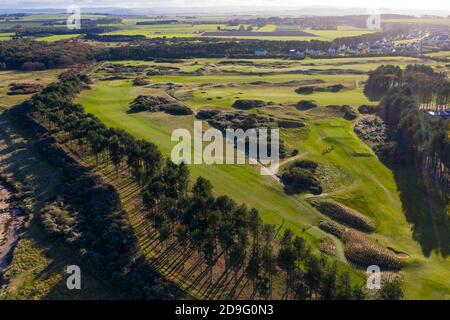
{"points": [[260, 34]]}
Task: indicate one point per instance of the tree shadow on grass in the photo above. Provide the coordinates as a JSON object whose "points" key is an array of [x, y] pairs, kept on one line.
{"points": [[425, 210]]}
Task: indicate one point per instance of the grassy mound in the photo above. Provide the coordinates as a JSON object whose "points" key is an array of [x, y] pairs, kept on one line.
{"points": [[332, 228], [345, 111], [344, 214], [327, 246], [366, 109], [141, 81], [363, 250], [305, 105], [300, 177], [311, 89], [360, 248], [155, 104]]}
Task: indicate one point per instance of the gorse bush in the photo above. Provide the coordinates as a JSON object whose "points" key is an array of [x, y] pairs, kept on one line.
{"points": [[365, 251], [299, 177], [159, 104], [344, 214], [360, 249], [246, 104], [305, 105]]}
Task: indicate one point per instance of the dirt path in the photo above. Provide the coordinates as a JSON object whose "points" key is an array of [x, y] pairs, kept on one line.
{"points": [[10, 223]]}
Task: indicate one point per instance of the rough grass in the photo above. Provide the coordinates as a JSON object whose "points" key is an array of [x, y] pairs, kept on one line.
{"points": [[38, 265], [8, 77], [344, 214]]}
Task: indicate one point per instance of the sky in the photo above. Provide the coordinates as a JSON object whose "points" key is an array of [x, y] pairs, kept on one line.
{"points": [[393, 4]]}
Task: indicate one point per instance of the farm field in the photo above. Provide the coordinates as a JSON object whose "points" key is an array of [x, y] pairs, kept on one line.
{"points": [[425, 20], [57, 37], [440, 54], [358, 179], [6, 36], [129, 27]]}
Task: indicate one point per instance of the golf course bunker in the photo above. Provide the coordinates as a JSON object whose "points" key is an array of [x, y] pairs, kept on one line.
{"points": [[399, 254]]}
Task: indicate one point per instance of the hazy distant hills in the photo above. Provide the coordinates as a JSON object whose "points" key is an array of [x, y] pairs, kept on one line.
{"points": [[216, 10]]}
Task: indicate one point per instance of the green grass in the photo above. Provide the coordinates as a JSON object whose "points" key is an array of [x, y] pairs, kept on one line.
{"points": [[341, 32], [372, 188], [58, 37], [440, 54], [6, 36], [225, 97]]}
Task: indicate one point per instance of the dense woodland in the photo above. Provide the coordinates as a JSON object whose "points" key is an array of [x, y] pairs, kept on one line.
{"points": [[415, 137], [210, 48], [210, 226], [24, 54]]}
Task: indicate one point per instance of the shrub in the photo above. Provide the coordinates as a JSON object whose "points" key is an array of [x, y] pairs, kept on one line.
{"points": [[305, 164], [299, 180], [246, 104], [33, 66], [365, 109], [332, 227], [207, 114], [155, 104], [177, 109], [305, 105], [335, 88], [59, 222], [141, 81], [365, 251], [25, 88], [153, 72], [290, 124], [305, 90], [327, 246], [347, 112]]}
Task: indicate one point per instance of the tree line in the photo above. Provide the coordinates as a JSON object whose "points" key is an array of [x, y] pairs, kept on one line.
{"points": [[86, 214], [212, 227], [415, 137], [25, 54]]}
